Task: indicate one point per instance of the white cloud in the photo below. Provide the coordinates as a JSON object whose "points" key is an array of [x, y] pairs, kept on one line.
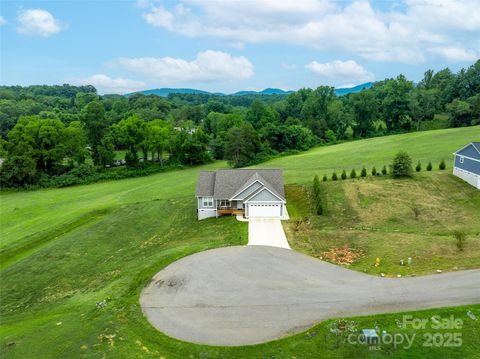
{"points": [[404, 34], [341, 71], [2, 21], [207, 66], [456, 54], [108, 85], [37, 22]]}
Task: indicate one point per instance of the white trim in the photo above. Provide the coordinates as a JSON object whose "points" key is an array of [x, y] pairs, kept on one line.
{"points": [[461, 149], [247, 200], [280, 205], [226, 205], [209, 199], [462, 170], [234, 197], [470, 158], [467, 176]]}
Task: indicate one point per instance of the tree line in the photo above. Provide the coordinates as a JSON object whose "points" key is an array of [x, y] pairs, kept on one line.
{"points": [[51, 130]]}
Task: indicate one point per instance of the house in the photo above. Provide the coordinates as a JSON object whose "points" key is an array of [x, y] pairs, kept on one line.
{"points": [[467, 164], [248, 192]]}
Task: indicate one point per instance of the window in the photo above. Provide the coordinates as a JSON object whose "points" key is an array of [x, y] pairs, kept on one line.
{"points": [[461, 159], [207, 202], [224, 203]]}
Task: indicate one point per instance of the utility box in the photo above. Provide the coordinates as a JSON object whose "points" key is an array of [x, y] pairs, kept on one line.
{"points": [[370, 336]]}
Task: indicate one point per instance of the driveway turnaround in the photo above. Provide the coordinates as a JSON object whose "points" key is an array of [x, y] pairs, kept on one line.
{"points": [[247, 295], [266, 232]]}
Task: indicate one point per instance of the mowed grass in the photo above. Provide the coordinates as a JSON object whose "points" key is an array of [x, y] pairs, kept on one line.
{"points": [[375, 216], [64, 250], [422, 146]]}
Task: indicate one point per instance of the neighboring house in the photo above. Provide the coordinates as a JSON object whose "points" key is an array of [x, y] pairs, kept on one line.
{"points": [[251, 193], [467, 164]]}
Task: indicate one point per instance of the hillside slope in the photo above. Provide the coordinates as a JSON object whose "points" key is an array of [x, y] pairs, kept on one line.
{"points": [[422, 146]]}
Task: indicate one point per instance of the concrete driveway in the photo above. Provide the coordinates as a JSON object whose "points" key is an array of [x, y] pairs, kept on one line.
{"points": [[246, 295], [266, 232]]}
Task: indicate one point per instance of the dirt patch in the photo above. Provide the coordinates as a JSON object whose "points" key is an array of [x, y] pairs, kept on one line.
{"points": [[343, 255]]}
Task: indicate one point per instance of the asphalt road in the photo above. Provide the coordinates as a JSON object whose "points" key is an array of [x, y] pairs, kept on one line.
{"points": [[247, 295]]}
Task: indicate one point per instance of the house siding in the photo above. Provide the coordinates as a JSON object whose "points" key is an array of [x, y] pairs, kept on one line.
{"points": [[468, 164], [249, 190], [200, 204], [264, 196], [468, 177], [469, 151]]}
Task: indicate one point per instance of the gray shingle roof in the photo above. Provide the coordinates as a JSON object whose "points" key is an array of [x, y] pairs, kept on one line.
{"points": [[205, 184], [225, 183]]}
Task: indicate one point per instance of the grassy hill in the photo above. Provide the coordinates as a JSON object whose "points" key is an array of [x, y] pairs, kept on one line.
{"points": [[65, 250], [392, 220], [422, 146]]}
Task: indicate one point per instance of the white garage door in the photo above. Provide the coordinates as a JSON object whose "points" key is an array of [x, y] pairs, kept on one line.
{"points": [[264, 210]]}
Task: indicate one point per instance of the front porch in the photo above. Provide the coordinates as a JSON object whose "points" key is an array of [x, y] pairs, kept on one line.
{"points": [[231, 211]]}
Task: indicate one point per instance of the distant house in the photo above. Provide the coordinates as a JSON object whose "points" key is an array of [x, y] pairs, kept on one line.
{"points": [[467, 164], [251, 193]]}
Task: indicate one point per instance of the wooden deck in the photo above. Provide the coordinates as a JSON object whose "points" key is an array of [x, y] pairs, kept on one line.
{"points": [[230, 211]]}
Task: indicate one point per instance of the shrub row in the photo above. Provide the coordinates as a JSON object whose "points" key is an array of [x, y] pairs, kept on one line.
{"points": [[429, 167], [384, 171]]}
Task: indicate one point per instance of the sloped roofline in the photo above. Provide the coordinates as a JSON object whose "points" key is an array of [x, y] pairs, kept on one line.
{"points": [[247, 200], [244, 188], [469, 144]]}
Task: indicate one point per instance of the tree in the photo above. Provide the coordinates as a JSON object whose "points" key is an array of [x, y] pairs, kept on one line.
{"points": [[353, 174], [130, 132], [324, 178], [396, 102], [460, 113], [190, 147], [402, 165], [442, 165], [318, 196], [423, 104], [158, 134], [384, 170], [429, 166], [364, 172], [334, 176], [75, 143], [243, 144], [42, 139], [18, 170], [95, 125], [344, 175], [106, 150], [374, 171], [418, 168], [365, 110]]}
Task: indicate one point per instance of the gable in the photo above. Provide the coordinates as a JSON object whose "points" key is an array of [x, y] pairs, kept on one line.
{"points": [[469, 151], [248, 191], [264, 195]]}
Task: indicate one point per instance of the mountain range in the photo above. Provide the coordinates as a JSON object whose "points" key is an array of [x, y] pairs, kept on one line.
{"points": [[165, 91]]}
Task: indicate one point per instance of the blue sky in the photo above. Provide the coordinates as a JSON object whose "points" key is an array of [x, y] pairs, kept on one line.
{"points": [[230, 45]]}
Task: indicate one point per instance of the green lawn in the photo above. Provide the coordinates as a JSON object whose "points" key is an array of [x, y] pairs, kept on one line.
{"points": [[422, 146], [64, 250]]}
